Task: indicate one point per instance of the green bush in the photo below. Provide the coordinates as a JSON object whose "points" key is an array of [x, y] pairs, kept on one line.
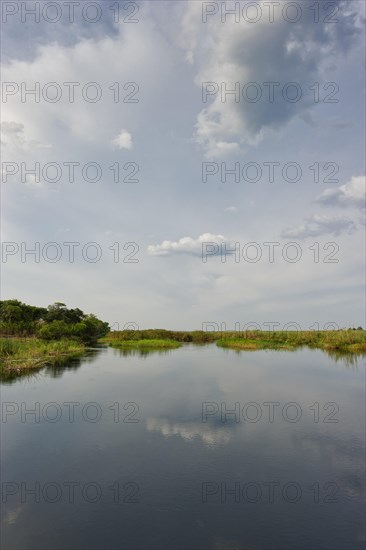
{"points": [[52, 323]]}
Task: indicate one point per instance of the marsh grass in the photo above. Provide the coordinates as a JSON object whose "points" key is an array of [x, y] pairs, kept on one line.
{"points": [[146, 344], [195, 336], [350, 341], [20, 354]]}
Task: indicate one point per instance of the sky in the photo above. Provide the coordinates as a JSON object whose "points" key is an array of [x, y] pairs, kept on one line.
{"points": [[185, 164]]}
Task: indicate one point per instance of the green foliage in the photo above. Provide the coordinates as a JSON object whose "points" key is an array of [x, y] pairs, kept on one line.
{"points": [[54, 330], [21, 354], [52, 323], [145, 344], [343, 340], [351, 340], [196, 336], [19, 319]]}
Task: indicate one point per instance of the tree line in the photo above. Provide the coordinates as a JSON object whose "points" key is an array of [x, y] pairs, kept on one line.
{"points": [[51, 323]]}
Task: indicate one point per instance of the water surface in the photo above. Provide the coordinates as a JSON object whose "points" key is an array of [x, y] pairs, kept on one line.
{"points": [[150, 460]]}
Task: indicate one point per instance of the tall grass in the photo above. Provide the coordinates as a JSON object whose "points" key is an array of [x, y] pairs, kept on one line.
{"points": [[195, 336], [145, 344], [19, 354], [353, 341]]}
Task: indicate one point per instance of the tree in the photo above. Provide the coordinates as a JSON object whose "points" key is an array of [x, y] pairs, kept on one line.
{"points": [[52, 323]]}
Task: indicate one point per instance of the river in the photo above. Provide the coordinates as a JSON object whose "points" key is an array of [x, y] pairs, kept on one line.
{"points": [[194, 448]]}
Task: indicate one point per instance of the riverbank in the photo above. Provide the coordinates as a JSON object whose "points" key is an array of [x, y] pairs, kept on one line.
{"points": [[348, 341], [18, 355], [22, 354], [146, 344], [185, 337]]}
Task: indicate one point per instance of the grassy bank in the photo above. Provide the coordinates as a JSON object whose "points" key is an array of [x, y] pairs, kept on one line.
{"points": [[348, 341], [18, 355], [21, 354], [195, 336], [146, 344]]}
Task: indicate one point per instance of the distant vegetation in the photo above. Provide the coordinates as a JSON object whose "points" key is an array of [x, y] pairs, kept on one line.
{"points": [[34, 336], [145, 344], [196, 336], [52, 323], [351, 341], [348, 340]]}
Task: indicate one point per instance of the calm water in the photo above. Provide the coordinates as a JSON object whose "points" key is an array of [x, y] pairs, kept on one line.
{"points": [[151, 460]]}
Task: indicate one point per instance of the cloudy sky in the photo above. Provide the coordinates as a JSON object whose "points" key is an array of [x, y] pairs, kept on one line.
{"points": [[170, 153]]}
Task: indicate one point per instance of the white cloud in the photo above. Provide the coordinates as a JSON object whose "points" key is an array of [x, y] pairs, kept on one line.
{"points": [[12, 134], [231, 209], [12, 128], [318, 225], [351, 193], [136, 53], [189, 431], [233, 54], [172, 203], [186, 245], [190, 29], [123, 140]]}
